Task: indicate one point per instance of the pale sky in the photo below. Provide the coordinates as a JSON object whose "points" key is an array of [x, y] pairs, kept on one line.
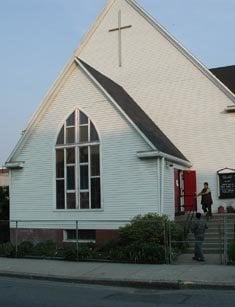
{"points": [[37, 37]]}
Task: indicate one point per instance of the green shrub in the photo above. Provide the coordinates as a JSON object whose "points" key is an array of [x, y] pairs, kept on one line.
{"points": [[147, 228], [25, 248], [108, 250], [45, 249], [231, 251], [145, 238], [143, 253], [70, 253], [7, 249], [85, 252]]}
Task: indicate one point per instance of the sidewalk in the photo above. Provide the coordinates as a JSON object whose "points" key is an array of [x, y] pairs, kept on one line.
{"points": [[175, 276]]}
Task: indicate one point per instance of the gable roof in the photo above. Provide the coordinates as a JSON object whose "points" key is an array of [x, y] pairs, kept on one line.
{"points": [[62, 76], [152, 132]]}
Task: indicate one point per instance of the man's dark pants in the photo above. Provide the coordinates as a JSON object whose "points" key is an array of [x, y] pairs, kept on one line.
{"points": [[198, 252]]}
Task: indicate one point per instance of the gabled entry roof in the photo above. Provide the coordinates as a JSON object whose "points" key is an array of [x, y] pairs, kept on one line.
{"points": [[160, 141]]}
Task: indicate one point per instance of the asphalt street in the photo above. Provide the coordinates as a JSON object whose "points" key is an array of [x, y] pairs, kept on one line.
{"points": [[27, 293]]}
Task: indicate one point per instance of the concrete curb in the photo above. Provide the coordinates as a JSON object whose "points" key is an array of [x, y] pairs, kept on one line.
{"points": [[151, 284]]}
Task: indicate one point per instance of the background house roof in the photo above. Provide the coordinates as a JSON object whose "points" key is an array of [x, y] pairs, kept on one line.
{"points": [[226, 75], [135, 113]]}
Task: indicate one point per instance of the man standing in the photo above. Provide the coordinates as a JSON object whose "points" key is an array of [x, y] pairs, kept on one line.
{"points": [[198, 228]]}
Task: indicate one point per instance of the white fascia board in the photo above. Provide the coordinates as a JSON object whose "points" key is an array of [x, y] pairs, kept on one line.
{"points": [[114, 103], [14, 165], [158, 154], [230, 109], [183, 50]]}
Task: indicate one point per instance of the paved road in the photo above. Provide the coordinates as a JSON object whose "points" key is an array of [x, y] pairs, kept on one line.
{"points": [[28, 293]]}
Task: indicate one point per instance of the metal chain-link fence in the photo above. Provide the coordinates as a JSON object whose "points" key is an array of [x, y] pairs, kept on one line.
{"points": [[147, 241]]}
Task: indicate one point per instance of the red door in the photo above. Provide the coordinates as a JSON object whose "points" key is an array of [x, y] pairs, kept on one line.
{"points": [[190, 191]]}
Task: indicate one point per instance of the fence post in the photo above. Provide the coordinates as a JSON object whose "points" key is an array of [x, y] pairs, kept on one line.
{"points": [[16, 239], [225, 240], [166, 242], [169, 240], [220, 244], [164, 233], [77, 239]]}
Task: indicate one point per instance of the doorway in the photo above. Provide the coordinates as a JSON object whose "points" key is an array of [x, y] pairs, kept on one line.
{"points": [[185, 191]]}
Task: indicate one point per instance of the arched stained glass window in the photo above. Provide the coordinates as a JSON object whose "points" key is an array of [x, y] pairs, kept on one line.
{"points": [[78, 164]]}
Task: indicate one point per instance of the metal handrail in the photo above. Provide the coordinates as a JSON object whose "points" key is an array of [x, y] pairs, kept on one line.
{"points": [[189, 221]]}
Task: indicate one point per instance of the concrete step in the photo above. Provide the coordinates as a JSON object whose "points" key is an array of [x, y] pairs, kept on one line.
{"points": [[208, 242], [216, 217], [220, 224], [209, 246], [212, 236]]}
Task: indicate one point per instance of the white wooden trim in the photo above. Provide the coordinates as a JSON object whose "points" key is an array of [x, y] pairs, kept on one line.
{"points": [[159, 154], [14, 165]]}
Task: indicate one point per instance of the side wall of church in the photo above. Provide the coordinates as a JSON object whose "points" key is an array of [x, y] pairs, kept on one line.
{"points": [[129, 185], [178, 97]]}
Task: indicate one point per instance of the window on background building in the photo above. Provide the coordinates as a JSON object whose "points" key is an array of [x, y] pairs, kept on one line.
{"points": [[78, 164]]}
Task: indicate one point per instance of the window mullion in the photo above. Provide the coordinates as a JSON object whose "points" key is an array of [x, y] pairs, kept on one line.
{"points": [[77, 144], [77, 178], [89, 163], [76, 160], [89, 176], [89, 135], [65, 180]]}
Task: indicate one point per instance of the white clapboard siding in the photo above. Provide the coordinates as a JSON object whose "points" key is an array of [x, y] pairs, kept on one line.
{"points": [[176, 94], [129, 185], [168, 193]]}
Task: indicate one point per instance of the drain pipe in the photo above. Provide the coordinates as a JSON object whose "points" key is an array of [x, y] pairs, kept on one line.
{"points": [[162, 185], [159, 185]]}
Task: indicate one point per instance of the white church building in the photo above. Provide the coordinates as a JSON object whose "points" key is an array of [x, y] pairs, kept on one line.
{"points": [[133, 124]]}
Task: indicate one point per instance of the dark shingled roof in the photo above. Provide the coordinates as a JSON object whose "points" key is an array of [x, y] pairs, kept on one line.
{"points": [[226, 75], [135, 113]]}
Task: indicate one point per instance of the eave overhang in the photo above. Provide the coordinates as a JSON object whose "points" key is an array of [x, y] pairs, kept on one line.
{"points": [[158, 154]]}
